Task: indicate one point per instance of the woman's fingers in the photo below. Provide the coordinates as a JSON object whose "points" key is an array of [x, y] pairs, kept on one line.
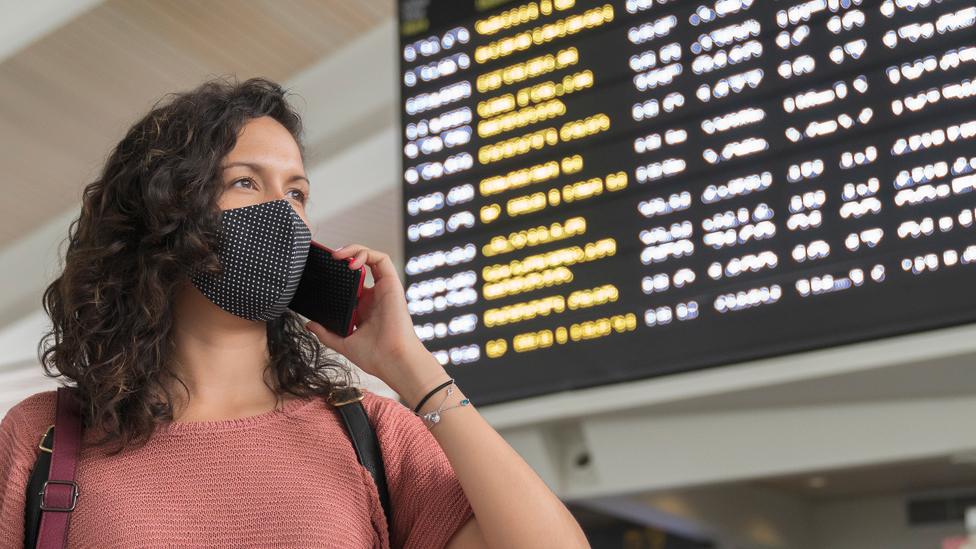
{"points": [[360, 258], [355, 251], [381, 266], [347, 250], [327, 338], [379, 263]]}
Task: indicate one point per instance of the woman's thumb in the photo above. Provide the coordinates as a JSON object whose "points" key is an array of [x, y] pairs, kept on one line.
{"points": [[329, 339]]}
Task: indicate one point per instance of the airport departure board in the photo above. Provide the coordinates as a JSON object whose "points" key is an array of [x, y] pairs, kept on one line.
{"points": [[597, 192]]}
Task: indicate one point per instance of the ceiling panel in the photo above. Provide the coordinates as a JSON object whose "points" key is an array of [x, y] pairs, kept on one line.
{"points": [[66, 99]]}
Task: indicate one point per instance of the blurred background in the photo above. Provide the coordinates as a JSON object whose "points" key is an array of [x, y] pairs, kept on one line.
{"points": [[858, 443]]}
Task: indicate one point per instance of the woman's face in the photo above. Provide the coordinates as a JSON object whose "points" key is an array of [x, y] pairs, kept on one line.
{"points": [[265, 164]]}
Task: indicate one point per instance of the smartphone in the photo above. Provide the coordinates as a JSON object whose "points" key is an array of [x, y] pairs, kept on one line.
{"points": [[329, 290]]}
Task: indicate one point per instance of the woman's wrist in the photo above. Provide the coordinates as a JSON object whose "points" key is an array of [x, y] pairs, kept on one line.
{"points": [[417, 373]]}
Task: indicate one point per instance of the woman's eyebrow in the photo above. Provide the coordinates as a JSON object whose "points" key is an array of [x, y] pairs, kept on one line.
{"points": [[257, 168]]}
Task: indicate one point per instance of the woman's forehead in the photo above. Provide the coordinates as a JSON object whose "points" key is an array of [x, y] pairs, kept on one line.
{"points": [[264, 141]]}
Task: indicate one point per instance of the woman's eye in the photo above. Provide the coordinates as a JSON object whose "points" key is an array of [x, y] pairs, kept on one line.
{"points": [[249, 181]]}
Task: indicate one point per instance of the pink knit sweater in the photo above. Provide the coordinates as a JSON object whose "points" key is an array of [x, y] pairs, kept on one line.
{"points": [[279, 479]]}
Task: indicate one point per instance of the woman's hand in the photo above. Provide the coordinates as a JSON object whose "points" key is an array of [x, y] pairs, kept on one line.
{"points": [[384, 343]]}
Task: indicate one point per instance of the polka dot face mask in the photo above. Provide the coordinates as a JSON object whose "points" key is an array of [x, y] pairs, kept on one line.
{"points": [[263, 249]]}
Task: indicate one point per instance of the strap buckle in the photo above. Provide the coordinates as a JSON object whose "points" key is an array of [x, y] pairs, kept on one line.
{"points": [[44, 436], [74, 495], [349, 395]]}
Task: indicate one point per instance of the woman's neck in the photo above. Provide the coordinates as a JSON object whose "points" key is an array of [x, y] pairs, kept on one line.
{"points": [[221, 359]]}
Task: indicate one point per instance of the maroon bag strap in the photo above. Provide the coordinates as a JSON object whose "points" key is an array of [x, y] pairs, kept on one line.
{"points": [[60, 492]]}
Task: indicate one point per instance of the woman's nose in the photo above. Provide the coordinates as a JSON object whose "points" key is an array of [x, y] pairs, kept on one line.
{"points": [[275, 193]]}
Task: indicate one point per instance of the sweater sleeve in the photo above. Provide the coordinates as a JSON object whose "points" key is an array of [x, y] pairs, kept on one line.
{"points": [[428, 504], [20, 431]]}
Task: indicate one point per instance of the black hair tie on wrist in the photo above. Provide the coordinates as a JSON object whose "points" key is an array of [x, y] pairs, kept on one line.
{"points": [[430, 394]]}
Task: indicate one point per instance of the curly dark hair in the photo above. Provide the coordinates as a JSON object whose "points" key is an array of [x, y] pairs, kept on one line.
{"points": [[150, 218]]}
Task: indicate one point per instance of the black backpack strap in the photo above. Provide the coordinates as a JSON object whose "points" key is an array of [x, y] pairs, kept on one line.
{"points": [[38, 475], [350, 406]]}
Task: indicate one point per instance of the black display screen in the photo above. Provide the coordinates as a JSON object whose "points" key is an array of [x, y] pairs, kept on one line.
{"points": [[597, 192]]}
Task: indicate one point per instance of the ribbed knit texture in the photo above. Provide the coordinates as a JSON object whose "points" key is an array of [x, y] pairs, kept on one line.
{"points": [[284, 478]]}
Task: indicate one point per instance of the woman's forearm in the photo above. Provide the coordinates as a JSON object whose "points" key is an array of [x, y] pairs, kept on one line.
{"points": [[513, 506]]}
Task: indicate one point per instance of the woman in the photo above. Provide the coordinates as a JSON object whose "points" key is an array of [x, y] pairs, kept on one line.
{"points": [[206, 423]]}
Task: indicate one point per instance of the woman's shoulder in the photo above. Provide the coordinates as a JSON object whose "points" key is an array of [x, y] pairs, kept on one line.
{"points": [[391, 416], [397, 427], [374, 399], [424, 489], [36, 409], [384, 408], [392, 409], [27, 420]]}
